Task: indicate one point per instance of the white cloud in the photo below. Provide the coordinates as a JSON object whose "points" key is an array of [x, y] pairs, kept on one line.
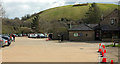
{"points": [[19, 8], [56, 4], [26, 1], [92, 0]]}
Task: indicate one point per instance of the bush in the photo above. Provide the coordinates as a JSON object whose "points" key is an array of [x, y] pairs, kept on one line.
{"points": [[26, 30]]}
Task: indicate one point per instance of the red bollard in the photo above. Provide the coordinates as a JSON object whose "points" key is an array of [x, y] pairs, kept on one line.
{"points": [[112, 62], [99, 48], [103, 46], [47, 39], [104, 60], [102, 53]]}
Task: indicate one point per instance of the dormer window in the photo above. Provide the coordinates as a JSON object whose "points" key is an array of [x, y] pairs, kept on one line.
{"points": [[113, 21]]}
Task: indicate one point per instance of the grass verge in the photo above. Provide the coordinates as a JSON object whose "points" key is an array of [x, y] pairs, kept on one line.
{"points": [[111, 45]]}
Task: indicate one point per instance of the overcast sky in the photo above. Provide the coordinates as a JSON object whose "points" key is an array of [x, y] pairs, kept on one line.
{"points": [[19, 8]]}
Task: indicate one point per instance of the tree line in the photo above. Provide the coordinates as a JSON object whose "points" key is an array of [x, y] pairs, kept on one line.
{"points": [[37, 25]]}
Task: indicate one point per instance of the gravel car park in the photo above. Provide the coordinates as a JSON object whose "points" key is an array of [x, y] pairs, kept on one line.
{"points": [[40, 50]]}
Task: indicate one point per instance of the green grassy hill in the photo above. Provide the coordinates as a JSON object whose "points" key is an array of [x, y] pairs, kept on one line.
{"points": [[48, 18], [72, 13]]}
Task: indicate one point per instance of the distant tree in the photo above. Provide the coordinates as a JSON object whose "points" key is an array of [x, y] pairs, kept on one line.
{"points": [[65, 22], [93, 14], [2, 11], [16, 18], [23, 18], [119, 14], [35, 24], [27, 24], [26, 17], [25, 30]]}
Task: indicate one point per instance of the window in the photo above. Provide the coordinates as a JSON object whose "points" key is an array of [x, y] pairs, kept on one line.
{"points": [[113, 21], [75, 34], [80, 34], [86, 35]]}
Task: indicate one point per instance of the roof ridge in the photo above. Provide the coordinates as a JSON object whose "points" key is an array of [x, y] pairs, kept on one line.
{"points": [[81, 27], [88, 26]]}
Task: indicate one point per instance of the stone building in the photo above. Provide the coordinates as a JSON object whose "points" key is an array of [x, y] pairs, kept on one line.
{"points": [[82, 32], [107, 30]]}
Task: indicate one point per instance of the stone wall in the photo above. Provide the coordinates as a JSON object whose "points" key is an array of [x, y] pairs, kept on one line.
{"points": [[108, 18], [85, 36]]}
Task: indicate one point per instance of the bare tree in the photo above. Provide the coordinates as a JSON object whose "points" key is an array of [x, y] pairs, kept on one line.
{"points": [[1, 16]]}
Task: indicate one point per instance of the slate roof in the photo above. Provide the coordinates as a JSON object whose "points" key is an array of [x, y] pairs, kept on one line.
{"points": [[93, 26], [109, 28], [86, 27], [83, 27]]}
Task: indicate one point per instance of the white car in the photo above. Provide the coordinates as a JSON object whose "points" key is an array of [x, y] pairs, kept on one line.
{"points": [[40, 35], [32, 36], [3, 42]]}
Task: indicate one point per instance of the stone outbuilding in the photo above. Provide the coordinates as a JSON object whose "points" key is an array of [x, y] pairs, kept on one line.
{"points": [[82, 32]]}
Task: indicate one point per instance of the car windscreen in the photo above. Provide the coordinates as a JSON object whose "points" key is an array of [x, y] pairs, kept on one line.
{"points": [[5, 38]]}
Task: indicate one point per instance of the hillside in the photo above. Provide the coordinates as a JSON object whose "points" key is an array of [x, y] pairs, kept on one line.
{"points": [[13, 26], [48, 19], [71, 12]]}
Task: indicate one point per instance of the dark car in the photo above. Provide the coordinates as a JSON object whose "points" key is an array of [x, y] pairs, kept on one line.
{"points": [[20, 35]]}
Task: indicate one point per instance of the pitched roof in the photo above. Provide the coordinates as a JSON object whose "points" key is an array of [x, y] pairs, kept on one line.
{"points": [[83, 27], [115, 10], [93, 26], [105, 27]]}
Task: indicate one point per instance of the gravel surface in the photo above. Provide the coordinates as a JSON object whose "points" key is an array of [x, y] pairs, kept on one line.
{"points": [[39, 50], [112, 54]]}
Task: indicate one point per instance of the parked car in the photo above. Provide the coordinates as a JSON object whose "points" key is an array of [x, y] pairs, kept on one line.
{"points": [[50, 36], [32, 36], [20, 35], [24, 34], [7, 40], [16, 35], [46, 35], [40, 36], [4, 41], [1, 42]]}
